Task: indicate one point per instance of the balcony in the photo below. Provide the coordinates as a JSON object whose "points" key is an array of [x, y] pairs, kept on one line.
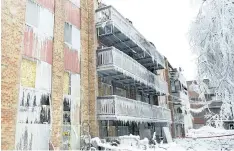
{"points": [[123, 109], [121, 68], [115, 30]]}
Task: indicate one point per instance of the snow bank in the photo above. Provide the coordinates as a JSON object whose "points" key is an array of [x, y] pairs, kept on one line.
{"points": [[207, 131]]}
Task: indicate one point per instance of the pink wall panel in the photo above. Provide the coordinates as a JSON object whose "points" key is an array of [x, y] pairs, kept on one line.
{"points": [[72, 14], [46, 52], [32, 46], [28, 42], [71, 60], [49, 4]]}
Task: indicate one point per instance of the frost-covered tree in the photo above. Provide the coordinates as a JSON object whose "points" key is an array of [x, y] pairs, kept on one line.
{"points": [[212, 40]]}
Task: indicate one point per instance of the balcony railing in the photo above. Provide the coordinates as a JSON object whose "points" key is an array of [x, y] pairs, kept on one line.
{"points": [[110, 58], [124, 109], [115, 30]]}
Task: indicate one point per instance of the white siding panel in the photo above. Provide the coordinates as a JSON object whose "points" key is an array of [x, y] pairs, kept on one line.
{"points": [[43, 76], [46, 24], [75, 85], [76, 38]]}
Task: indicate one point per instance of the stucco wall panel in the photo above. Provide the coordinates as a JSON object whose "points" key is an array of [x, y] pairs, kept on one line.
{"points": [[28, 73], [66, 83]]}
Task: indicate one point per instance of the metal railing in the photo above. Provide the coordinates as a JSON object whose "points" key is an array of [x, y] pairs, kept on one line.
{"points": [[124, 107], [130, 67], [109, 15]]}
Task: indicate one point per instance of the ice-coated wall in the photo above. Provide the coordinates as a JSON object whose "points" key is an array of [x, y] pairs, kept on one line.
{"points": [[34, 119]]}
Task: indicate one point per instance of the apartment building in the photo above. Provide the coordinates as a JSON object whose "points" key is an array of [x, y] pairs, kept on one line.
{"points": [[131, 98], [66, 74], [47, 77], [213, 99], [178, 102]]}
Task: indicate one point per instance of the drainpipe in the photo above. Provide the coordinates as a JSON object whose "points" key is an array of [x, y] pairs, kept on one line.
{"points": [[88, 71]]}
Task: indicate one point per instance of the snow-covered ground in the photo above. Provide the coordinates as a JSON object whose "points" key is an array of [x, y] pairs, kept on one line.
{"points": [[203, 139], [208, 139]]}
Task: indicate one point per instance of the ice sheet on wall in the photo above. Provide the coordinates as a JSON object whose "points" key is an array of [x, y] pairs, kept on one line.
{"points": [[71, 119], [32, 136], [46, 22], [33, 122], [76, 39], [75, 110], [66, 121], [43, 76]]}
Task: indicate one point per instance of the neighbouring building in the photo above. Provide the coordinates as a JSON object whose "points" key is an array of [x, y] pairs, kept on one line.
{"points": [[132, 94], [178, 102], [48, 73], [212, 104]]}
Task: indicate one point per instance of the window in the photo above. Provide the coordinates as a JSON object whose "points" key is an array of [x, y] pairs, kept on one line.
{"points": [[68, 33], [40, 18], [72, 36], [32, 13], [179, 110], [177, 85], [173, 87]]}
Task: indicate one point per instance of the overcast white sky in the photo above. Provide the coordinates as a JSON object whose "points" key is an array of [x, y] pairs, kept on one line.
{"points": [[165, 23]]}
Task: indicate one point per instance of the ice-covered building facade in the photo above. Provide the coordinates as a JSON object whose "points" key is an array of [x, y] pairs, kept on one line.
{"points": [[179, 103], [46, 45], [131, 97]]}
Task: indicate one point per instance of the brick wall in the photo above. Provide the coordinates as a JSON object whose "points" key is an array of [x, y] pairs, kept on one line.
{"points": [[88, 68], [13, 16], [58, 74]]}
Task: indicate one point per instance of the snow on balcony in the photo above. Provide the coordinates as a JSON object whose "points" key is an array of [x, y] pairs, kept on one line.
{"points": [[115, 30], [123, 109], [125, 70]]}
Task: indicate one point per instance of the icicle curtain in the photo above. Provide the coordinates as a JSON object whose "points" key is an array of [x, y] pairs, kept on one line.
{"points": [[41, 19], [38, 32], [43, 76], [66, 121], [33, 120]]}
